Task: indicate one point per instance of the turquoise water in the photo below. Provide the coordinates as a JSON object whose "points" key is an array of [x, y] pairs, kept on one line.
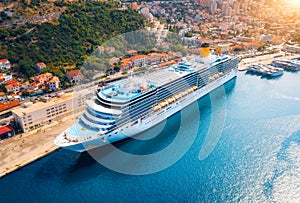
{"points": [[254, 159]]}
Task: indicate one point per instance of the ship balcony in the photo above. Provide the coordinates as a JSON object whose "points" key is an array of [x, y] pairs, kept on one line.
{"points": [[91, 104], [95, 125], [98, 120]]}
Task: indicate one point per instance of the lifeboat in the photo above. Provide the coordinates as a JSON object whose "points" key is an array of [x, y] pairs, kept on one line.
{"points": [[163, 104], [156, 108], [190, 90], [177, 96], [170, 100], [194, 88]]}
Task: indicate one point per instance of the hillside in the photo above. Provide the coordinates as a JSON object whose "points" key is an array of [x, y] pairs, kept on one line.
{"points": [[80, 28]]}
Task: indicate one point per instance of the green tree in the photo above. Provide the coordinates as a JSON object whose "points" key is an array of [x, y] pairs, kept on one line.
{"points": [[4, 33]]}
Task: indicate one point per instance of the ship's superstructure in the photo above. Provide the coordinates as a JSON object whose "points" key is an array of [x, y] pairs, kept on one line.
{"points": [[130, 106]]}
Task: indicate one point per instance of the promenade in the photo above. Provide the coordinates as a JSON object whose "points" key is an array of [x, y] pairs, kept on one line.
{"points": [[21, 150]]}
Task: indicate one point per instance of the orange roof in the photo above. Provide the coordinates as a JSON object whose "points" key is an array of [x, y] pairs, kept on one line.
{"points": [[73, 73], [12, 82], [8, 86], [154, 54], [54, 79], [3, 61], [41, 64], [125, 63], [138, 57], [2, 94], [168, 63]]}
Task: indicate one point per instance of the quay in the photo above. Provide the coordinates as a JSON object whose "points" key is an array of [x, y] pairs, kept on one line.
{"points": [[20, 150]]}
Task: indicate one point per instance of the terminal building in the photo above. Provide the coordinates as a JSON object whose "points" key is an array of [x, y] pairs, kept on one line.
{"points": [[32, 116]]}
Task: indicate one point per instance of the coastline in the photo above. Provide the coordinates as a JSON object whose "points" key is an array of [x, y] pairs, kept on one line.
{"points": [[21, 150]]}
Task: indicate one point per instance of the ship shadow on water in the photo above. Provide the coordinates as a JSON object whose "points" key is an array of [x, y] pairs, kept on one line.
{"points": [[87, 163]]}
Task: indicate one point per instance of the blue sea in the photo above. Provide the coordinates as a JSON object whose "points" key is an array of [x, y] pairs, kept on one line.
{"points": [[241, 143]]}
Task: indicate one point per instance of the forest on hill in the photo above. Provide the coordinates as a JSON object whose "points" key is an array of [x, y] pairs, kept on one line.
{"points": [[79, 30]]}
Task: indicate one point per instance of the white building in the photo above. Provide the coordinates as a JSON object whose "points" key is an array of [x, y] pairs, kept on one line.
{"points": [[4, 64], [53, 84], [39, 114], [74, 76]]}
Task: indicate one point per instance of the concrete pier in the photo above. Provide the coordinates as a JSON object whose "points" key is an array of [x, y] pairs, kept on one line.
{"points": [[21, 150]]}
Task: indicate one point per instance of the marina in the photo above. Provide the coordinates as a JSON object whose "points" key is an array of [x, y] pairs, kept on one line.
{"points": [[265, 70]]}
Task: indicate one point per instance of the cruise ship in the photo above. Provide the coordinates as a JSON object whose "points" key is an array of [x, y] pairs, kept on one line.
{"points": [[130, 106]]}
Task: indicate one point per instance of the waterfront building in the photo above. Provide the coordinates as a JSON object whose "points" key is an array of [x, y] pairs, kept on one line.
{"points": [[33, 116], [74, 76]]}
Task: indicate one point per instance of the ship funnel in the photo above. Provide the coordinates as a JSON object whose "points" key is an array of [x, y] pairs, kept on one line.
{"points": [[204, 50]]}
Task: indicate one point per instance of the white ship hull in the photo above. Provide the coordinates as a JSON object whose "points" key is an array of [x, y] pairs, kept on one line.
{"points": [[131, 129]]}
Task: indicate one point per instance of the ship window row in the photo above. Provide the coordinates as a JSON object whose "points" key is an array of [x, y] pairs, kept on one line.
{"points": [[109, 106], [142, 97], [163, 94], [99, 114], [140, 110], [129, 117], [142, 103], [94, 121], [116, 105], [179, 81], [183, 85], [92, 128]]}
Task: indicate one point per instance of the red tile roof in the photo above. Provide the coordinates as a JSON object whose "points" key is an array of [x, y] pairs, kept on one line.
{"points": [[73, 73], [3, 61], [13, 82], [5, 129], [41, 64], [138, 57]]}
